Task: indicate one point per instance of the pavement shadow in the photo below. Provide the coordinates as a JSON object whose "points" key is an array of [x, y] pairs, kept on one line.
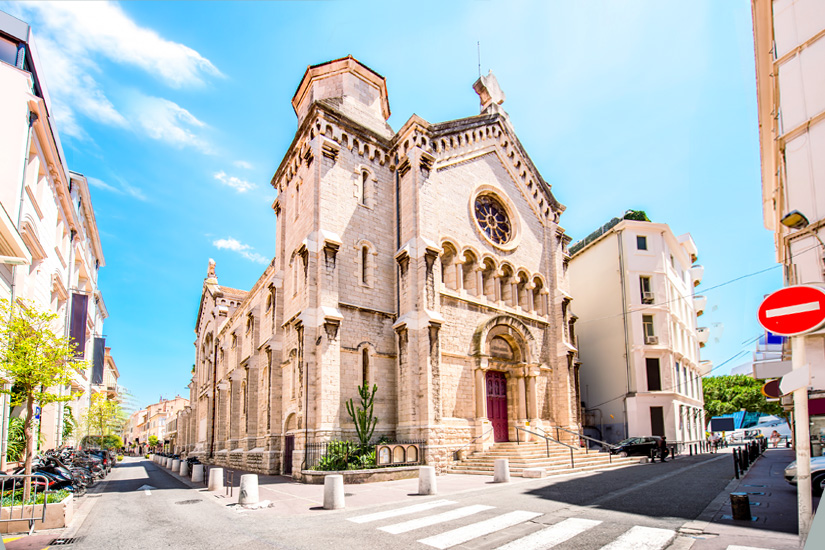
{"points": [[680, 488]]}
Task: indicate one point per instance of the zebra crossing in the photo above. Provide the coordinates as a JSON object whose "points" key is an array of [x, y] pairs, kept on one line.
{"points": [[441, 513]]}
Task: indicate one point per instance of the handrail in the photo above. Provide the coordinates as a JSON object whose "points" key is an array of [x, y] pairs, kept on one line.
{"points": [[547, 440], [582, 436], [455, 453]]}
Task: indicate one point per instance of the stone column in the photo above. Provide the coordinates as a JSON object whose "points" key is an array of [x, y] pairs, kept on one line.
{"points": [[497, 275], [532, 394], [481, 393], [459, 275], [522, 396], [528, 288]]}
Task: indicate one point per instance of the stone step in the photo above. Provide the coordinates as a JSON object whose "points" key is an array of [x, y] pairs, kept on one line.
{"points": [[550, 471]]}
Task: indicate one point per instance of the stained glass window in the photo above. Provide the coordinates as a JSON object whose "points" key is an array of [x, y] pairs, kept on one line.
{"points": [[492, 219]]}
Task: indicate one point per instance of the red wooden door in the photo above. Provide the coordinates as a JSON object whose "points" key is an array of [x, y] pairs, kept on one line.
{"points": [[497, 404]]}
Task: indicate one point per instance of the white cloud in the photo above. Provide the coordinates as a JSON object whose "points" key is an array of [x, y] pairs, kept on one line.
{"points": [[104, 29], [241, 186], [243, 164], [123, 189], [166, 121], [243, 249], [73, 37]]}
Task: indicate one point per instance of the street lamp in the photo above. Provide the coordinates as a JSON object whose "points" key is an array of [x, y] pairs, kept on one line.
{"points": [[795, 220]]}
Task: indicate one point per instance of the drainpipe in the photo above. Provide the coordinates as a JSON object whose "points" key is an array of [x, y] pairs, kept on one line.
{"points": [[626, 327], [397, 244]]}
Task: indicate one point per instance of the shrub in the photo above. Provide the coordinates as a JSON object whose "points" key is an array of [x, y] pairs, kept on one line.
{"points": [[16, 498], [119, 458], [344, 455]]}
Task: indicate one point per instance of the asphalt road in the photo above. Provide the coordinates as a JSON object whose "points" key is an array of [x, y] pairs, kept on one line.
{"points": [[631, 507]]}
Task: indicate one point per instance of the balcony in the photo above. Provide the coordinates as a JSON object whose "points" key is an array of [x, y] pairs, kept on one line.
{"points": [[702, 334], [705, 367], [696, 273], [699, 303]]}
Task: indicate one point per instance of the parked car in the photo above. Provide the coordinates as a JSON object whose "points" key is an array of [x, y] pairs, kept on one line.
{"points": [[638, 446], [817, 474]]}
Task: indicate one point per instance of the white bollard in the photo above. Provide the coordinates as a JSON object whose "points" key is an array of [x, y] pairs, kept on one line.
{"points": [[333, 492], [197, 473], [166, 461], [501, 472], [184, 469], [215, 479], [175, 466], [248, 492], [426, 480]]}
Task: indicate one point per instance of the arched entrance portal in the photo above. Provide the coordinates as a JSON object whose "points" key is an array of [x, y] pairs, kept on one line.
{"points": [[505, 376]]}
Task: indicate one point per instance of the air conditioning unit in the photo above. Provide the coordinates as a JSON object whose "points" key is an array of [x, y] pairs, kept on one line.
{"points": [[651, 340], [647, 297]]}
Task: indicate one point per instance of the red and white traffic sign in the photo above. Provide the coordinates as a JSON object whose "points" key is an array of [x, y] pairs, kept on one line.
{"points": [[793, 310]]}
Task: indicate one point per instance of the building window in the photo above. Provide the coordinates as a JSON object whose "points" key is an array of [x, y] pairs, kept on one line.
{"points": [[654, 378], [492, 219], [365, 252], [647, 293], [641, 242], [250, 323], [365, 176], [647, 326], [297, 200], [365, 366]]}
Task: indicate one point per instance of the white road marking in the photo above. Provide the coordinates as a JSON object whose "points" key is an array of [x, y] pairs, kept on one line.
{"points": [[433, 520], [401, 511], [737, 547], [146, 489], [551, 536], [470, 532], [790, 310], [642, 538]]}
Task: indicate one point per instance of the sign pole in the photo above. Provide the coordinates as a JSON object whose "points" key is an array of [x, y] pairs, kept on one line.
{"points": [[802, 442]]}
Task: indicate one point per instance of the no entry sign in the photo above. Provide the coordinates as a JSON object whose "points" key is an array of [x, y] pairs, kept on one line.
{"points": [[793, 310]]}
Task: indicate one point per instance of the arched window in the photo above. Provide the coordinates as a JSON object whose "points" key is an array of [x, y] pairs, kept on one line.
{"points": [[365, 254], [365, 365], [365, 176]]}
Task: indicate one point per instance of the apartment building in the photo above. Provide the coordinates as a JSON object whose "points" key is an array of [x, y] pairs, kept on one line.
{"points": [[633, 282], [48, 209]]}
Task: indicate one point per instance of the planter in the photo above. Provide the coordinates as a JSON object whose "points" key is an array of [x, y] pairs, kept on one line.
{"points": [[315, 477], [58, 515]]}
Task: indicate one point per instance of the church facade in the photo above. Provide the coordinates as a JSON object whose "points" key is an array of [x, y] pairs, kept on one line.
{"points": [[428, 261]]}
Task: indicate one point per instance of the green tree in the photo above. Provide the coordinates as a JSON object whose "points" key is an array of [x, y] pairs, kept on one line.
{"points": [[38, 361], [69, 423], [732, 393], [153, 441], [104, 417]]}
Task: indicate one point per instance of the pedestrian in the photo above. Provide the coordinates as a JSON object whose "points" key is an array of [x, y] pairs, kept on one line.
{"points": [[775, 437], [661, 446]]}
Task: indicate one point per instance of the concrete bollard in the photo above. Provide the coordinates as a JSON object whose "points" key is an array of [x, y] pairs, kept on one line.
{"points": [[166, 461], [215, 479], [176, 465], [501, 471], [333, 492], [248, 493], [740, 506], [197, 473], [184, 469], [426, 480]]}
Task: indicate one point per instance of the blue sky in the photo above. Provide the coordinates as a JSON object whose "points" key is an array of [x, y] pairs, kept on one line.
{"points": [[179, 113]]}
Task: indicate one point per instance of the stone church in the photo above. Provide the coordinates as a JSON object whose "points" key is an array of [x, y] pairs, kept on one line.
{"points": [[428, 261]]}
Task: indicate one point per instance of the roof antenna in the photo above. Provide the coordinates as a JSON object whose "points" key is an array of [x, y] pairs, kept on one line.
{"points": [[478, 45]]}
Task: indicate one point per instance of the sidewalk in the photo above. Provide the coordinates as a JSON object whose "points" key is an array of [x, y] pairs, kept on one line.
{"points": [[775, 523]]}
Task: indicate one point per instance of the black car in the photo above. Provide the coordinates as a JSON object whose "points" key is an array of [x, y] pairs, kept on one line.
{"points": [[638, 446]]}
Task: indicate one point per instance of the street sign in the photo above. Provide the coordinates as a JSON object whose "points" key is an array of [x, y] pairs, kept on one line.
{"points": [[771, 389], [793, 310]]}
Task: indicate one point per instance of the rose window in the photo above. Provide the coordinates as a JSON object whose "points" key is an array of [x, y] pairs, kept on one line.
{"points": [[492, 219]]}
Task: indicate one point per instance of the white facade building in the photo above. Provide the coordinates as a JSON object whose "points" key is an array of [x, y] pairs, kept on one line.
{"points": [[48, 209], [632, 282]]}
